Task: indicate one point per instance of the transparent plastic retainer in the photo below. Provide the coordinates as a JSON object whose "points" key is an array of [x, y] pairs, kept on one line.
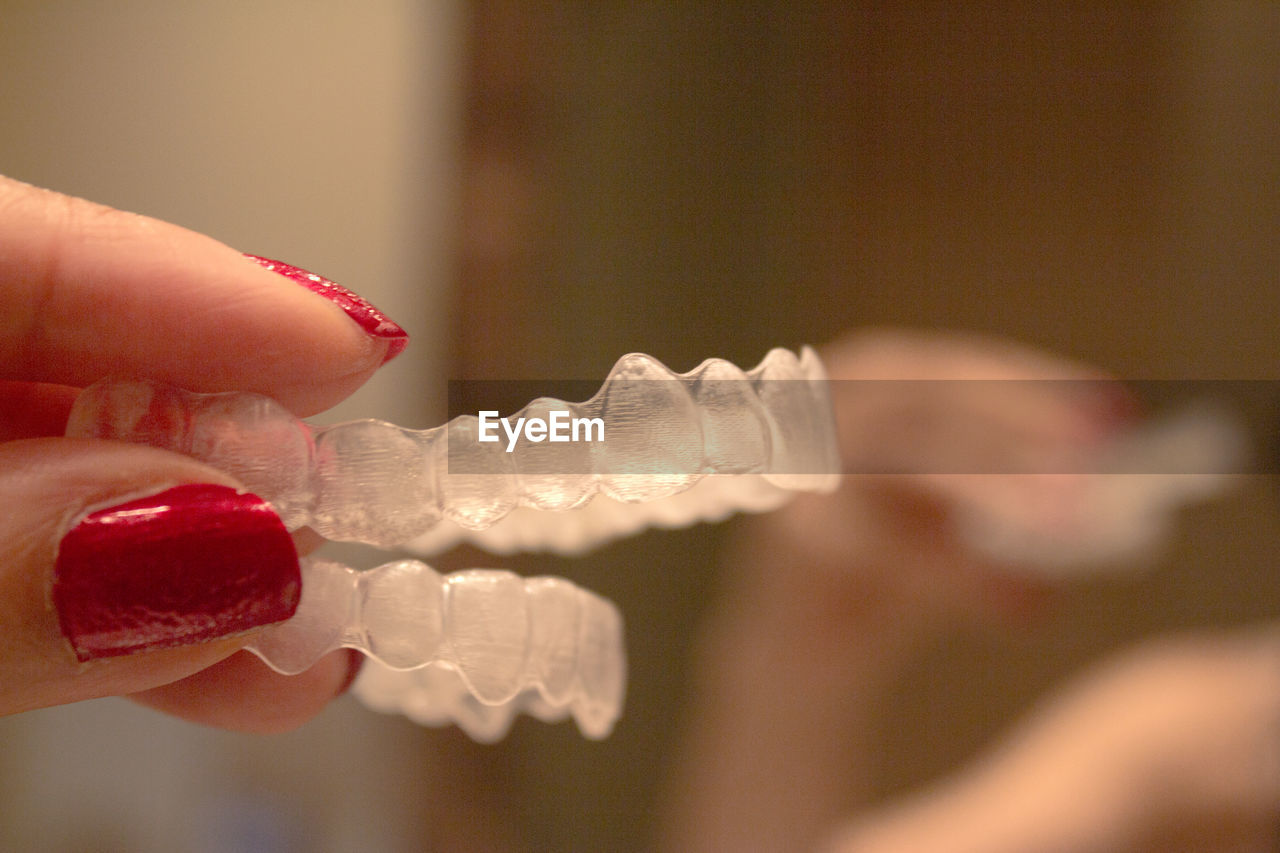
{"points": [[478, 646]]}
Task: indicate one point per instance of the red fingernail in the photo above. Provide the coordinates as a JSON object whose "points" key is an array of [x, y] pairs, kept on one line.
{"points": [[355, 662], [187, 565], [369, 318]]}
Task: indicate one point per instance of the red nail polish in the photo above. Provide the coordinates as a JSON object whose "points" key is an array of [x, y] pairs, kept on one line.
{"points": [[187, 565], [369, 318], [355, 663]]}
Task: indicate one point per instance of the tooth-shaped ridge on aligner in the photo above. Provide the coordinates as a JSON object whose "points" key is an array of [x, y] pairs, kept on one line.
{"points": [[374, 482], [639, 402], [501, 644], [764, 433], [795, 394], [746, 473]]}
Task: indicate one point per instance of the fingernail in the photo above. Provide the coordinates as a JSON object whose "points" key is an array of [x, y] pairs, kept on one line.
{"points": [[1114, 406], [190, 564], [355, 662], [369, 318]]}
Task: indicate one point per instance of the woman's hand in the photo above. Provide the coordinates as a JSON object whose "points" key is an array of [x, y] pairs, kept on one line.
{"points": [[1173, 745], [932, 425], [127, 570]]}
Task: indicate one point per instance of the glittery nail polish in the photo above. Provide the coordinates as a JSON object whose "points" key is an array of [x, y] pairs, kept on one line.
{"points": [[364, 313]]}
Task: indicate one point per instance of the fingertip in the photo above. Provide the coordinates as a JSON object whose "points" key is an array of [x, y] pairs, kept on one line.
{"points": [[368, 317], [87, 291], [241, 693], [65, 610], [34, 410]]}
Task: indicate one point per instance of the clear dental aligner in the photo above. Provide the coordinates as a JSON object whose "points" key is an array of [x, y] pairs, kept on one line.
{"points": [[604, 519], [435, 696], [1124, 505], [770, 427], [477, 647], [474, 647]]}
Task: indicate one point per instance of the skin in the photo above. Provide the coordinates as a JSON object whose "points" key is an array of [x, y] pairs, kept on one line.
{"points": [[1173, 745], [87, 291]]}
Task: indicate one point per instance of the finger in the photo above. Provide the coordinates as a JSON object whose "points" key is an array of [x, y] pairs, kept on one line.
{"points": [[915, 354], [34, 410], [242, 693], [123, 568], [951, 403], [87, 291]]}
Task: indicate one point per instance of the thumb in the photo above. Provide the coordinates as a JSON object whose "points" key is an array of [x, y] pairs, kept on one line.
{"points": [[123, 568]]}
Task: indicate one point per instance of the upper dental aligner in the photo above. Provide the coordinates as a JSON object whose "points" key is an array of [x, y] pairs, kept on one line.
{"points": [[474, 647], [373, 482], [1118, 513]]}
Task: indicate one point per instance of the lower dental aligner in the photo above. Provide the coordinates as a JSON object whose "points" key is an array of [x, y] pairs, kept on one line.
{"points": [[474, 647], [671, 439]]}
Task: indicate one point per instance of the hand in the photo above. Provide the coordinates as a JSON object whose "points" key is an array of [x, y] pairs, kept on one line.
{"points": [[153, 601], [928, 425], [1174, 745]]}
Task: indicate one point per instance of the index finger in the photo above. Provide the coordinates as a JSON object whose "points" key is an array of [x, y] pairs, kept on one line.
{"points": [[87, 291]]}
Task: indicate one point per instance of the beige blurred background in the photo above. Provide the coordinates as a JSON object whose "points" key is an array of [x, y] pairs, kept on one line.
{"points": [[535, 189]]}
